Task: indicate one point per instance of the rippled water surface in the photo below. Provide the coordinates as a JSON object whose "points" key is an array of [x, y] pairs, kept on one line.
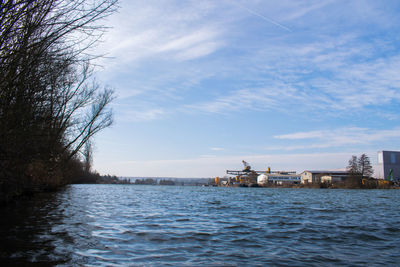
{"points": [[125, 225]]}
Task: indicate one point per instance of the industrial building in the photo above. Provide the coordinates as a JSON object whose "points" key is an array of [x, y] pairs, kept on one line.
{"points": [[278, 178], [316, 177], [388, 167], [249, 177]]}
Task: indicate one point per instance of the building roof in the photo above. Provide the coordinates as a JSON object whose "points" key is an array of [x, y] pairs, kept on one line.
{"points": [[281, 175], [326, 172]]}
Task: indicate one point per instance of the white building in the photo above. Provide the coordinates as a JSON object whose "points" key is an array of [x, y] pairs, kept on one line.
{"points": [[274, 178], [315, 177]]}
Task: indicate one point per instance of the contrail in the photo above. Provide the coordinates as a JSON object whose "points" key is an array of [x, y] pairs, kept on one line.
{"points": [[263, 17]]}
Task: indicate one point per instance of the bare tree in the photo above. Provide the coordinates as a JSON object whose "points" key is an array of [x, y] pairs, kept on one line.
{"points": [[50, 105], [353, 165], [364, 166], [87, 156]]}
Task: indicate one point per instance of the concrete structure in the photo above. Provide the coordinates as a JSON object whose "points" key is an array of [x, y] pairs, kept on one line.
{"points": [[388, 162], [274, 178], [314, 177]]}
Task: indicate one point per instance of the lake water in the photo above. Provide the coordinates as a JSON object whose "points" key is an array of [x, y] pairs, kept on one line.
{"points": [[133, 225]]}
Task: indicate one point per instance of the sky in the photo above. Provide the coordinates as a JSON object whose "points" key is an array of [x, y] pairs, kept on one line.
{"points": [[294, 85]]}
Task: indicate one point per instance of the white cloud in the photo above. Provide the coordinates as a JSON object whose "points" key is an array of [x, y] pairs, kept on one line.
{"points": [[341, 137], [297, 147], [333, 76], [198, 51], [145, 30], [189, 40], [256, 98], [317, 72]]}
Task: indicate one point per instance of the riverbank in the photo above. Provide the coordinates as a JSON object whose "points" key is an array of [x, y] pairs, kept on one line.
{"points": [[334, 186], [364, 184], [24, 188]]}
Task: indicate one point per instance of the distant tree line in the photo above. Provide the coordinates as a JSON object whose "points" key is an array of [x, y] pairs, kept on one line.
{"points": [[96, 178], [50, 104], [147, 181], [166, 182], [150, 181]]}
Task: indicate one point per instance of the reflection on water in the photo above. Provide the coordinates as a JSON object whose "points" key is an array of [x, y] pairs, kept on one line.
{"points": [[155, 225], [26, 231]]}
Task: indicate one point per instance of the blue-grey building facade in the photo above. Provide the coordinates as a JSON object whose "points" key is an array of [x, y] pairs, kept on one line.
{"points": [[388, 165]]}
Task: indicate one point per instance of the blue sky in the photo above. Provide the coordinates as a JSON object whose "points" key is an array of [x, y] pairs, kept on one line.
{"points": [[203, 85]]}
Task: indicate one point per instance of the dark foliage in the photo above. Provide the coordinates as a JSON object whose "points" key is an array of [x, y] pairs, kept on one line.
{"points": [[166, 182], [96, 178]]}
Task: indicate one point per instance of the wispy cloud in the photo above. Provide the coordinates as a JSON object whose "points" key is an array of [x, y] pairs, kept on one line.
{"points": [[142, 30], [299, 9], [217, 148], [318, 72], [142, 115], [341, 137], [192, 45], [333, 77]]}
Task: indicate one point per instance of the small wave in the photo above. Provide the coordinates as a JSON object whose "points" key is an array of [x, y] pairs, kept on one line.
{"points": [[392, 229], [369, 237], [237, 226], [214, 202], [242, 240], [183, 220]]}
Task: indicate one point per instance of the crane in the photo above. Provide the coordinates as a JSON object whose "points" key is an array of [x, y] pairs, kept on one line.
{"points": [[246, 166]]}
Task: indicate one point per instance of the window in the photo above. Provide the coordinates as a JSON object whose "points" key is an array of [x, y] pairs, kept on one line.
{"points": [[393, 157]]}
